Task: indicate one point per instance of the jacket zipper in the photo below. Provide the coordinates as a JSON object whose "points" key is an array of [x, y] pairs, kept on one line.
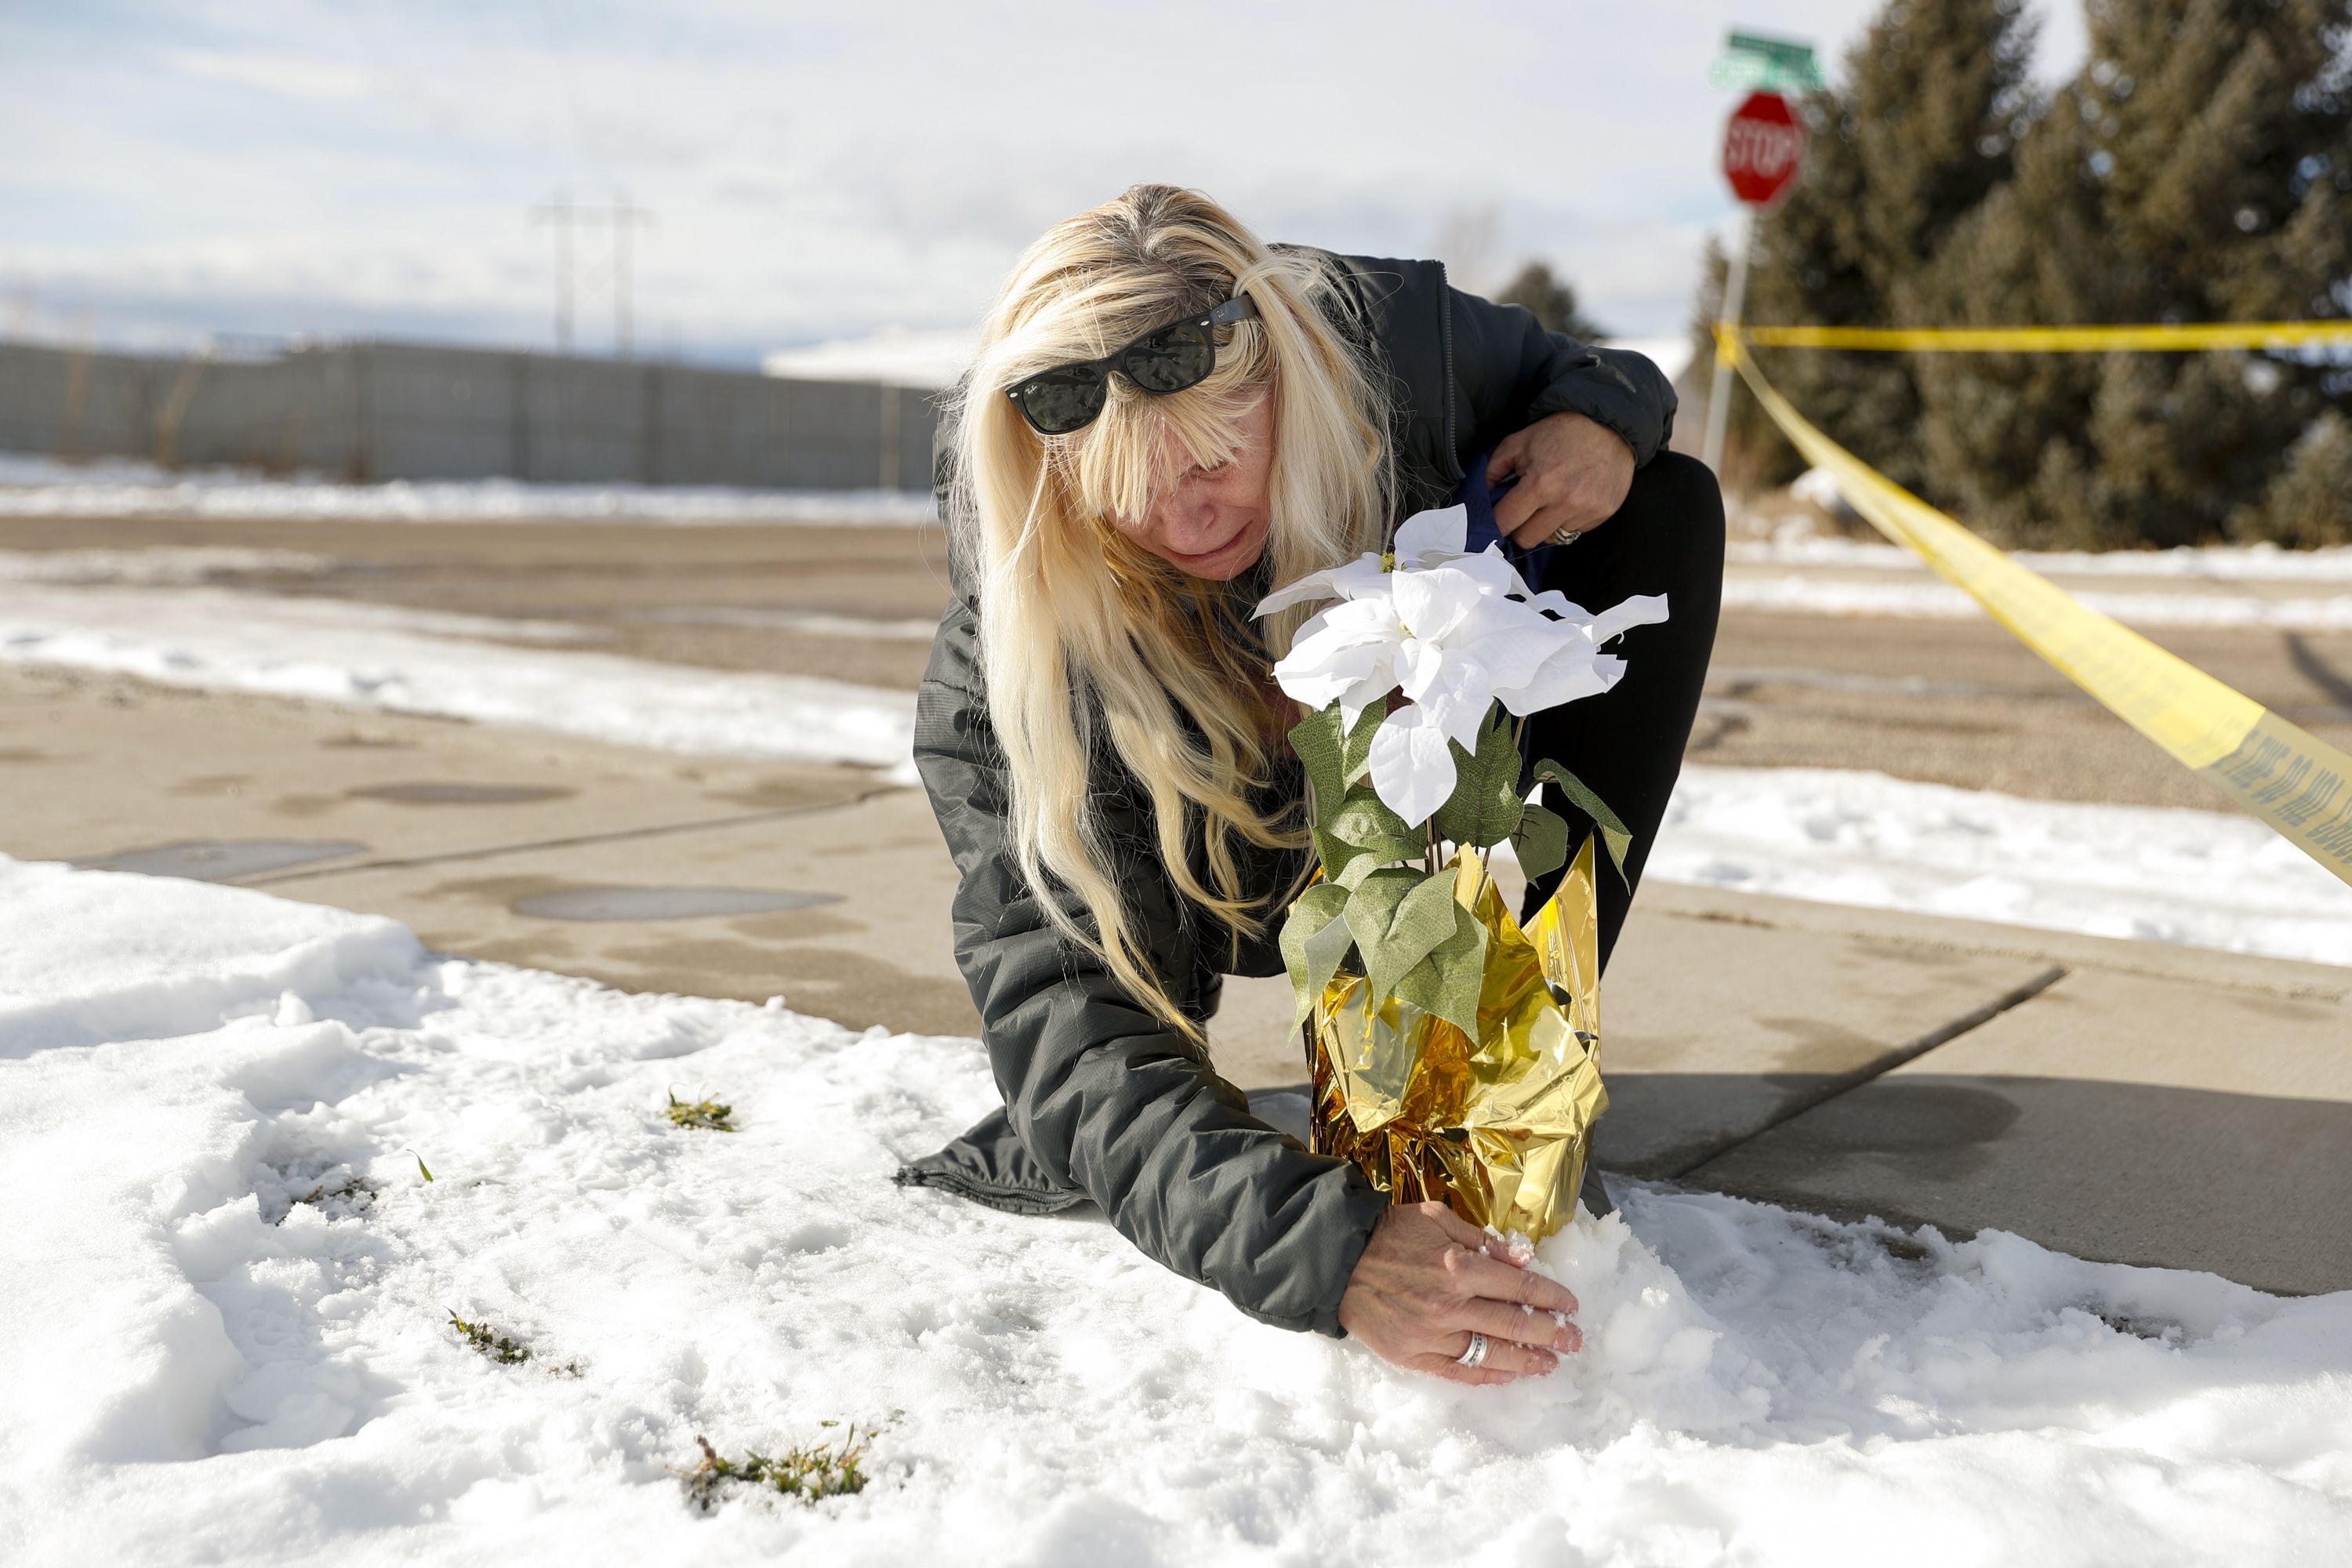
{"points": [[1445, 337]]}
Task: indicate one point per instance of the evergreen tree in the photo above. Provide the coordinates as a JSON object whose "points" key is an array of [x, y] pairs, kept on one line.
{"points": [[2198, 169], [2310, 503], [1921, 127], [1551, 299]]}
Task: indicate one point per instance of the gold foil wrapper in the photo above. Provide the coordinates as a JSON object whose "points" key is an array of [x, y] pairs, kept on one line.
{"points": [[1499, 1127]]}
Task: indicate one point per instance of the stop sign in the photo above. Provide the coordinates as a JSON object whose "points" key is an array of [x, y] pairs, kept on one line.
{"points": [[1763, 147]]}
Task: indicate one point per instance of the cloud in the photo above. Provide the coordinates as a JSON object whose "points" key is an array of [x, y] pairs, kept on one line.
{"points": [[287, 76], [819, 171]]}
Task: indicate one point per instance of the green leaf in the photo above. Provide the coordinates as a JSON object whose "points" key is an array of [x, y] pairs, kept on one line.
{"points": [[1356, 758], [1541, 842], [1322, 747], [1336, 758], [1448, 980], [1614, 833], [1365, 821], [1484, 808], [1315, 939], [1343, 862], [1399, 918]]}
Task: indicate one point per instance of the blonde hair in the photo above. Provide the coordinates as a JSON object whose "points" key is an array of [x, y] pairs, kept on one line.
{"points": [[1081, 627]]}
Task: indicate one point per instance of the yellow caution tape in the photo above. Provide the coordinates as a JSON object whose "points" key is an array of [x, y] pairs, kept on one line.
{"points": [[2056, 339], [2293, 780]]}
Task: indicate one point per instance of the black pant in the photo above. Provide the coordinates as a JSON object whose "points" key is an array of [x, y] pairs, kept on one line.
{"points": [[1627, 743]]}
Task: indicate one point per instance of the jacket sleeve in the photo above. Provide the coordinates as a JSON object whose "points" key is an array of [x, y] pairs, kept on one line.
{"points": [[1512, 373], [1104, 1096]]}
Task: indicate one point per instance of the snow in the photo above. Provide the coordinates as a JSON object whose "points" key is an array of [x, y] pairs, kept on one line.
{"points": [[1795, 593], [2212, 879], [1801, 571], [202, 1367], [926, 359], [2207, 879], [414, 661], [41, 487], [2216, 562]]}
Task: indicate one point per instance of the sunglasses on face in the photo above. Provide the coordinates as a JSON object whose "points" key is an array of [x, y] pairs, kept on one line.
{"points": [[1163, 359]]}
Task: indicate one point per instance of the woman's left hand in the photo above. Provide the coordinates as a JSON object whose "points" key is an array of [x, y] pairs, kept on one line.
{"points": [[1573, 474]]}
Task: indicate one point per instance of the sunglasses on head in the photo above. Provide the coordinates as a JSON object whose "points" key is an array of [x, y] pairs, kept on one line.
{"points": [[1163, 359]]}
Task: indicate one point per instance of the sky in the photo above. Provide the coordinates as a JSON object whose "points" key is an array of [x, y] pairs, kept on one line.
{"points": [[278, 168]]}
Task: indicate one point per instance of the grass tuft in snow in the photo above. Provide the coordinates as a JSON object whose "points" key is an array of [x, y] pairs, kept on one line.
{"points": [[501, 1348], [708, 1114], [808, 1472], [504, 1348], [353, 1193]]}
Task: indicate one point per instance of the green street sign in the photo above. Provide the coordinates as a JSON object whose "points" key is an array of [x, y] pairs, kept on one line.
{"points": [[1757, 63]]}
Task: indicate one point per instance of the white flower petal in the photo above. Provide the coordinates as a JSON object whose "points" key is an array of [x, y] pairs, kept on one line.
{"points": [[1426, 533], [1573, 672], [1640, 610], [1457, 701], [1513, 647], [1347, 582], [1318, 675], [1412, 770], [1417, 664], [1559, 605], [1492, 573], [1434, 604], [1366, 692], [1371, 617]]}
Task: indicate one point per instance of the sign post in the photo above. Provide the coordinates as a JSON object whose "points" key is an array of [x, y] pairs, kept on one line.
{"points": [[1763, 147]]}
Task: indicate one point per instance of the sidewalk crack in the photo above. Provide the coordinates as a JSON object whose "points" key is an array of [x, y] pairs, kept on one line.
{"points": [[1910, 1050]]}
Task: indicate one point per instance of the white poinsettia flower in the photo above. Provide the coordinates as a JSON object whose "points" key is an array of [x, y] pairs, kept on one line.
{"points": [[1452, 632]]}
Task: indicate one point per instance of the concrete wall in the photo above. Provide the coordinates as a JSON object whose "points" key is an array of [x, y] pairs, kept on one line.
{"points": [[392, 411]]}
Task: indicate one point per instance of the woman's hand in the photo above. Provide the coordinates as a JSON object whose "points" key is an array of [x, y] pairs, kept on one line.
{"points": [[1573, 474], [1428, 1280]]}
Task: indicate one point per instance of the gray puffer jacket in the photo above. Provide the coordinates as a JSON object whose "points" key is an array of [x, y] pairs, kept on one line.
{"points": [[1102, 1100]]}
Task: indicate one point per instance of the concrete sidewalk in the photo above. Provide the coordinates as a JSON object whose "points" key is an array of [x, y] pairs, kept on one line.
{"points": [[2118, 1100]]}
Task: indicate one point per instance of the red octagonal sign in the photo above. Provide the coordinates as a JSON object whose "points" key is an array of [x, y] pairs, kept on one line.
{"points": [[1762, 148]]}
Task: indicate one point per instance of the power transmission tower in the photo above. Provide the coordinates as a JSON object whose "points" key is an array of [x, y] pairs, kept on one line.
{"points": [[560, 214], [625, 217], [621, 217]]}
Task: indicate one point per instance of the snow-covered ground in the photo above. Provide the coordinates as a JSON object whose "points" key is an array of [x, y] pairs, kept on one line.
{"points": [[1801, 570], [2218, 563], [212, 1356], [2207, 879], [2212, 879], [1802, 593], [421, 661], [41, 487]]}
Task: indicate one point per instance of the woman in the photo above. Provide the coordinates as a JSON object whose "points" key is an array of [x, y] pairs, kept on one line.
{"points": [[1166, 420]]}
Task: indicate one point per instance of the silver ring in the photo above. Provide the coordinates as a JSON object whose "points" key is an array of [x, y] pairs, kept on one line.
{"points": [[1476, 1356], [1566, 535]]}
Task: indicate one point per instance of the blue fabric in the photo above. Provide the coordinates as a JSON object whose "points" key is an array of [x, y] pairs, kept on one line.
{"points": [[1475, 494]]}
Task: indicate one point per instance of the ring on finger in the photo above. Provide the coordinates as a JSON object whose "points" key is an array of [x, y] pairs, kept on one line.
{"points": [[1476, 1356], [1566, 535]]}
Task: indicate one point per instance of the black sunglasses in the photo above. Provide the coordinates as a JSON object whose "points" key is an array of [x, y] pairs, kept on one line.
{"points": [[1163, 359]]}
